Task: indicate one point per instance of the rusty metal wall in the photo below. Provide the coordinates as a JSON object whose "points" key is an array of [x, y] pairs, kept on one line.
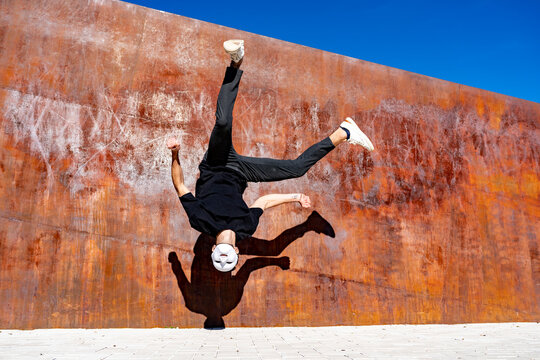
{"points": [[439, 225]]}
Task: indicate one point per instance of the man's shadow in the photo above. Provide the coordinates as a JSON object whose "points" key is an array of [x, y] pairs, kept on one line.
{"points": [[215, 294]]}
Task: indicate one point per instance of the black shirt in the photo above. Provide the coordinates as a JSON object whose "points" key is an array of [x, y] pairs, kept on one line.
{"points": [[219, 205]]}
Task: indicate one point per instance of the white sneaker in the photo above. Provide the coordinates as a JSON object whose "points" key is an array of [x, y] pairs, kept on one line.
{"points": [[235, 48], [356, 135]]}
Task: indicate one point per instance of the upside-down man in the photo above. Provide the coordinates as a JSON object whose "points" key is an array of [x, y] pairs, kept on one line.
{"points": [[218, 208]]}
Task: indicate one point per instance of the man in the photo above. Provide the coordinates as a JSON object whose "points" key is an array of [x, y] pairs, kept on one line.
{"points": [[218, 209]]}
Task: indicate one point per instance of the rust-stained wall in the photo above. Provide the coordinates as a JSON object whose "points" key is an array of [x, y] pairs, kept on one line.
{"points": [[439, 224]]}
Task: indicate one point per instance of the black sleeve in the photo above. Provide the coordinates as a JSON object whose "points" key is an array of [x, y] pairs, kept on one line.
{"points": [[191, 207], [256, 211], [188, 202], [255, 214]]}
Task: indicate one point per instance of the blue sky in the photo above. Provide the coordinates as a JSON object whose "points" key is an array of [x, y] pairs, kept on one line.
{"points": [[492, 45]]}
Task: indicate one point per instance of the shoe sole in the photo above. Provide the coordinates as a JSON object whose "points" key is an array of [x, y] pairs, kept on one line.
{"points": [[232, 46], [364, 140]]}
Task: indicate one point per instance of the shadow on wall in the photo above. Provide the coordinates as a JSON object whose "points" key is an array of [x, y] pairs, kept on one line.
{"points": [[215, 294]]}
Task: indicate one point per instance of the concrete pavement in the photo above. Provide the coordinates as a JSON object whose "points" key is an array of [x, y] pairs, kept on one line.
{"points": [[464, 341]]}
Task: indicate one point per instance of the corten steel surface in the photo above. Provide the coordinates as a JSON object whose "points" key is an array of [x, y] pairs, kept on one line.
{"points": [[440, 224]]}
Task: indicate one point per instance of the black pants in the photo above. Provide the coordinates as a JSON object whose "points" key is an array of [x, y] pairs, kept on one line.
{"points": [[221, 152]]}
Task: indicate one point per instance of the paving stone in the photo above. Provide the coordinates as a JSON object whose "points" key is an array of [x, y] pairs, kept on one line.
{"points": [[478, 341]]}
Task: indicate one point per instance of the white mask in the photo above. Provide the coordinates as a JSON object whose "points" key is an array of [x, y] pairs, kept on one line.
{"points": [[224, 257]]}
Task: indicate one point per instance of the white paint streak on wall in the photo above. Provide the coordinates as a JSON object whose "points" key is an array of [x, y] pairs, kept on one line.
{"points": [[314, 121], [56, 130]]}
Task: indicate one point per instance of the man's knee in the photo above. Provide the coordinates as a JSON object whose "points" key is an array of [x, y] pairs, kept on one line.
{"points": [[223, 122], [299, 169]]}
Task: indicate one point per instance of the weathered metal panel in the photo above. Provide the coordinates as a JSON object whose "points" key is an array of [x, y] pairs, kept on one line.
{"points": [[439, 225]]}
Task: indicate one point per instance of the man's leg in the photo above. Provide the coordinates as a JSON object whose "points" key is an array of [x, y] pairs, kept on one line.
{"points": [[220, 143], [265, 169]]}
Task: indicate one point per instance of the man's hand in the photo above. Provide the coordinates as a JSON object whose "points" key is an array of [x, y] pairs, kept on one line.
{"points": [[173, 144], [305, 201]]}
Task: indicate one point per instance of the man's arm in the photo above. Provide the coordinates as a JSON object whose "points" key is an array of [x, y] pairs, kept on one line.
{"points": [[176, 169], [270, 200]]}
